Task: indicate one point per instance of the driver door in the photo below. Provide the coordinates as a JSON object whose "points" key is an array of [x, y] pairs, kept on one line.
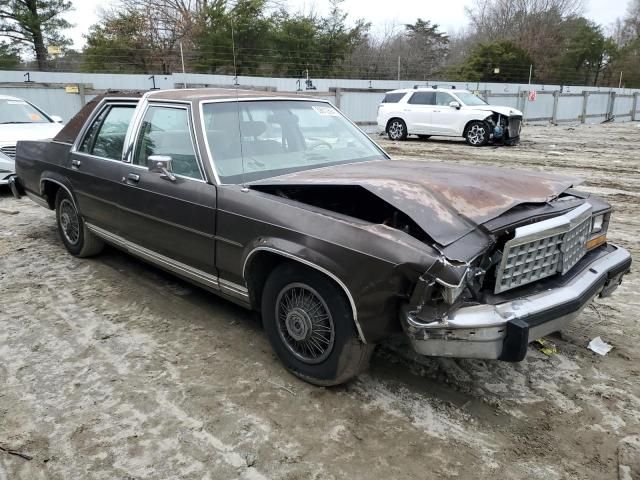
{"points": [[446, 118], [172, 216]]}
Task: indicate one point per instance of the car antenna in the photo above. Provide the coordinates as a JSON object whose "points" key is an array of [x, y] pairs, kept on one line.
{"points": [[236, 85]]}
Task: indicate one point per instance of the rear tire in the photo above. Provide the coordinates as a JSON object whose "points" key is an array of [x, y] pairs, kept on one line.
{"points": [[397, 129], [477, 134], [310, 326], [75, 235]]}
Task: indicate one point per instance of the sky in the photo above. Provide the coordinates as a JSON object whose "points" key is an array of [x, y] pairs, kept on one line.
{"points": [[449, 14]]}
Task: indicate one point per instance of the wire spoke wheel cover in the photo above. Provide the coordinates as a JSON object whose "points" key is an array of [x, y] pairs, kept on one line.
{"points": [[69, 222], [396, 130], [304, 323], [476, 134]]}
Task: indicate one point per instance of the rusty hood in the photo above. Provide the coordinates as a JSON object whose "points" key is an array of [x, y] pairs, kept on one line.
{"points": [[446, 200]]}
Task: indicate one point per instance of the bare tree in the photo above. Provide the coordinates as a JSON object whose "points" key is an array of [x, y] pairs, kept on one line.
{"points": [[178, 19], [628, 28], [537, 26], [509, 18]]}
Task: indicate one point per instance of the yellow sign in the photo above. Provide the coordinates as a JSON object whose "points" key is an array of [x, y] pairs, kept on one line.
{"points": [[72, 89], [53, 50]]}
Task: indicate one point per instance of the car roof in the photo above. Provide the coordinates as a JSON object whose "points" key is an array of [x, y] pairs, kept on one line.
{"points": [[429, 89], [200, 94]]}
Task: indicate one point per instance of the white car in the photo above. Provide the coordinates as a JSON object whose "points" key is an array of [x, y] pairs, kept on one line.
{"points": [[436, 111], [21, 120], [7, 169]]}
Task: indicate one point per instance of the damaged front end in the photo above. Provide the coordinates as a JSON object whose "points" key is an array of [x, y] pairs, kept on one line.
{"points": [[507, 256], [504, 129], [463, 310]]}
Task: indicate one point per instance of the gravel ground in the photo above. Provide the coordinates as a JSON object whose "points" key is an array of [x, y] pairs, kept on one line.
{"points": [[110, 368]]}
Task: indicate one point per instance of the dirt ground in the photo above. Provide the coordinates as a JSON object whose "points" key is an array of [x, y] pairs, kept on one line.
{"points": [[112, 369]]}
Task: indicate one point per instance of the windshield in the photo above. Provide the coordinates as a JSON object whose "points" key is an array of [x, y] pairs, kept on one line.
{"points": [[280, 137], [19, 111], [470, 99]]}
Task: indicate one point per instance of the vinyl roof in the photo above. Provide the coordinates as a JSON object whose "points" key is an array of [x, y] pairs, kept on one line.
{"points": [[197, 94]]}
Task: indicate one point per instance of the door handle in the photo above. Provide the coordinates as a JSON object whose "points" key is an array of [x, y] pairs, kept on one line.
{"points": [[76, 163], [133, 177]]}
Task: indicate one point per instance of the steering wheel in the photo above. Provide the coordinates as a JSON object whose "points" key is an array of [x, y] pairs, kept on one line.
{"points": [[321, 144]]}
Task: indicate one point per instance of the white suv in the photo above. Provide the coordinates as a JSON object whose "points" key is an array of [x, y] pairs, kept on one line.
{"points": [[447, 112]]}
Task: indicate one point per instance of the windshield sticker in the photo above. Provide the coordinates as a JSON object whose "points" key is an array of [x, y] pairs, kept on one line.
{"points": [[16, 102], [326, 111], [35, 117]]}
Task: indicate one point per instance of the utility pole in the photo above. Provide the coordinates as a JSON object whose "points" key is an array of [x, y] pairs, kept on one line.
{"points": [[184, 78], [530, 73], [398, 67], [620, 81]]}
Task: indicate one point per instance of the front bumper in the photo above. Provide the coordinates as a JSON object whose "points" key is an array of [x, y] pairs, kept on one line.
{"points": [[503, 331]]}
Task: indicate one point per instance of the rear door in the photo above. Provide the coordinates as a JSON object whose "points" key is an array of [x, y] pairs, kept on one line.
{"points": [[96, 164], [174, 219], [418, 112]]}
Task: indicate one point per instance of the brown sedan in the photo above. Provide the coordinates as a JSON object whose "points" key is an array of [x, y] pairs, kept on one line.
{"points": [[281, 204]]}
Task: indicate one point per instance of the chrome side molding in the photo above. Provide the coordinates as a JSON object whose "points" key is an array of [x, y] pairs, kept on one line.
{"points": [[212, 282]]}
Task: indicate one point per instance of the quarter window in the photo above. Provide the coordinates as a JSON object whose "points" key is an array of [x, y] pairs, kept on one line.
{"points": [[166, 131], [423, 98], [105, 137], [393, 97]]}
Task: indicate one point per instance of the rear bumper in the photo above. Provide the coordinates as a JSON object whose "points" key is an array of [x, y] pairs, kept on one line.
{"points": [[504, 330], [16, 187]]}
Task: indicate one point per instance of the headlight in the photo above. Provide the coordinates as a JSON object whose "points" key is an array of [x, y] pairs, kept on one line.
{"points": [[597, 223], [598, 234]]}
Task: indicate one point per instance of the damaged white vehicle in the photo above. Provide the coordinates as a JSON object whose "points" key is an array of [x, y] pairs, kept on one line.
{"points": [[433, 111]]}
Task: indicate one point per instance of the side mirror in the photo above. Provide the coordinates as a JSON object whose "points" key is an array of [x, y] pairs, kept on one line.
{"points": [[455, 105], [161, 164], [56, 118]]}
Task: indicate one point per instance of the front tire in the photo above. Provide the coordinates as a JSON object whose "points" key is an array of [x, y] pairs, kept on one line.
{"points": [[397, 129], [310, 326], [477, 134], [75, 235]]}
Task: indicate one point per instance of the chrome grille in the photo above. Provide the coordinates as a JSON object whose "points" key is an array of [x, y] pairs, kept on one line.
{"points": [[9, 151], [574, 245], [515, 124], [543, 249]]}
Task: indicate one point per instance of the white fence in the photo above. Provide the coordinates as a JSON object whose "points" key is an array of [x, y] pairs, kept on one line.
{"points": [[359, 99]]}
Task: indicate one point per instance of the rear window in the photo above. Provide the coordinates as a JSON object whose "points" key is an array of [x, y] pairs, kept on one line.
{"points": [[393, 97], [423, 98]]}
